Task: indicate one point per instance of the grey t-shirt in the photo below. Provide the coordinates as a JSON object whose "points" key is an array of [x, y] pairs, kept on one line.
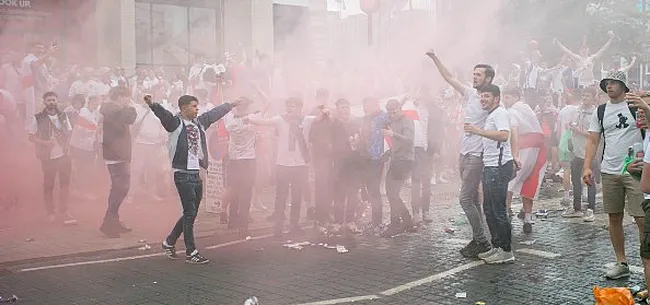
{"points": [[402, 149], [581, 118]]}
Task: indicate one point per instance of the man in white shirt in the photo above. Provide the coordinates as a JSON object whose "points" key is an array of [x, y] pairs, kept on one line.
{"points": [[241, 167], [528, 146], [584, 61], [36, 77], [498, 171], [470, 162], [11, 79], [562, 127], [616, 122], [292, 163], [50, 131]]}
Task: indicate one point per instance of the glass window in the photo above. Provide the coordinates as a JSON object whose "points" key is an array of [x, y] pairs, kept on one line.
{"points": [[143, 50], [170, 39], [203, 31]]}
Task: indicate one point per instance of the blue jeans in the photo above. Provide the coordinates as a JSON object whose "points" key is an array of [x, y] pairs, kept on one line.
{"points": [[495, 192], [190, 190], [120, 184]]}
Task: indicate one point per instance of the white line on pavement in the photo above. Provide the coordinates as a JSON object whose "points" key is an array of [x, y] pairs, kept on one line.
{"points": [[129, 258], [344, 300], [431, 278], [539, 253]]}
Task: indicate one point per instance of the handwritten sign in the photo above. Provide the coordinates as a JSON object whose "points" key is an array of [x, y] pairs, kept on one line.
{"points": [[214, 182]]}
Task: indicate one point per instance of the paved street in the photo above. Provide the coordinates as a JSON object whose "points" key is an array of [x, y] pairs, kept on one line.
{"points": [[562, 265]]}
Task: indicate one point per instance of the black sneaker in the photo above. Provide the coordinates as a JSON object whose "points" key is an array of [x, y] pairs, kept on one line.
{"points": [[468, 249], [196, 259], [109, 231], [394, 228], [477, 249], [528, 228], [170, 251]]}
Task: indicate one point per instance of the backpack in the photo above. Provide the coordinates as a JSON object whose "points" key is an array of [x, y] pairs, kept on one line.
{"points": [[601, 115]]}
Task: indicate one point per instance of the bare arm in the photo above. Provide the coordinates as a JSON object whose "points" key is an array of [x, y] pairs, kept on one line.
{"points": [[604, 48], [628, 67], [514, 142], [645, 178], [590, 152], [449, 78], [494, 135], [564, 49]]}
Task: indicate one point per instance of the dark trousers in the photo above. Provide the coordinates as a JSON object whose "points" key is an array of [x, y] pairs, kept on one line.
{"points": [[323, 188], [421, 181], [398, 172], [241, 178], [576, 180], [371, 181], [495, 193], [190, 191], [347, 183], [52, 168], [120, 184], [294, 177]]}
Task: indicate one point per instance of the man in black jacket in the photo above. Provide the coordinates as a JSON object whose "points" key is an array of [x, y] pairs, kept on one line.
{"points": [[117, 117], [188, 151]]}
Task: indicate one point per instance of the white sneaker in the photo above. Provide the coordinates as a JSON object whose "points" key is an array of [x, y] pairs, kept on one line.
{"points": [[442, 179], [500, 257], [571, 213], [488, 253], [589, 216], [433, 181]]}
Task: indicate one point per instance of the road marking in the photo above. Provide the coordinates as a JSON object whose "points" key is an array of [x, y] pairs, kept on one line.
{"points": [[130, 258], [344, 300], [539, 253], [431, 278]]}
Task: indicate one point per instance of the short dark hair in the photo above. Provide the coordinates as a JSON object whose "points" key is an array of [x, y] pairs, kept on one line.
{"points": [[119, 91], [341, 102], [78, 99], [490, 88], [50, 93], [186, 100], [489, 71]]}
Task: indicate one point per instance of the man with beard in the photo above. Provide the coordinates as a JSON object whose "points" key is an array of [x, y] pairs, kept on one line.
{"points": [[615, 121], [50, 130], [401, 132], [117, 117], [470, 162], [498, 171]]}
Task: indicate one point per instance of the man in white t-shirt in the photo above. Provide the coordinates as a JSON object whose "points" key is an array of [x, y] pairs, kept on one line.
{"points": [[292, 162], [529, 147], [470, 162], [562, 127], [645, 187], [50, 130], [617, 125], [498, 171], [585, 61]]}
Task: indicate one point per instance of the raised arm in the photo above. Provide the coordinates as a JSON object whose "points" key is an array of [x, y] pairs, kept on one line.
{"points": [[566, 51], [167, 119], [215, 114], [628, 67], [444, 72], [604, 47]]}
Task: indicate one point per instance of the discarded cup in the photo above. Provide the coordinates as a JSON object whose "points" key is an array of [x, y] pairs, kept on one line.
{"points": [[252, 301], [480, 303], [142, 241], [461, 295], [341, 249], [248, 238], [450, 230], [71, 222], [145, 248], [29, 239]]}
